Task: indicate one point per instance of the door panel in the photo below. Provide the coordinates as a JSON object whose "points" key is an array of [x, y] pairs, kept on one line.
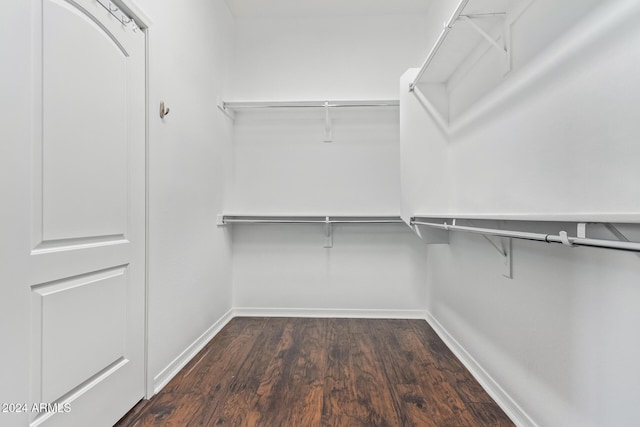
{"points": [[84, 144], [86, 272], [73, 351]]}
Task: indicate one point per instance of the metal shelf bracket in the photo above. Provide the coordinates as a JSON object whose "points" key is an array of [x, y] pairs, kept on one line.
{"points": [[503, 245], [431, 236], [613, 230], [227, 112], [328, 126], [469, 20], [328, 233]]}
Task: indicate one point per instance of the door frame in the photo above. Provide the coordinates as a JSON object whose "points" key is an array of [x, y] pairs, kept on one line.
{"points": [[145, 23]]}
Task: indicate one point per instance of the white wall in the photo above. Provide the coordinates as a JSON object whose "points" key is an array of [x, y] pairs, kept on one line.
{"points": [[370, 271], [540, 142], [550, 150], [559, 338], [191, 52], [15, 187], [520, 31], [331, 57], [281, 165], [424, 153], [548, 147]]}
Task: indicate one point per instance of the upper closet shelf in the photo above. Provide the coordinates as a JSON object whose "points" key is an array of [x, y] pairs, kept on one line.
{"points": [[476, 22], [327, 220], [230, 107], [239, 105], [586, 217]]}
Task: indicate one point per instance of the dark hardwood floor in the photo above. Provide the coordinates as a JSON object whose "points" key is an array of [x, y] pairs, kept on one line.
{"points": [[302, 372]]}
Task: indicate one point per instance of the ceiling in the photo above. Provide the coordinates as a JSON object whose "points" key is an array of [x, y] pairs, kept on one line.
{"points": [[307, 8]]}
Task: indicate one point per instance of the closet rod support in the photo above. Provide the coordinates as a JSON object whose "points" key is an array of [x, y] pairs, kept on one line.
{"points": [[504, 249], [484, 34], [618, 234], [328, 129], [500, 250], [227, 112], [328, 233]]}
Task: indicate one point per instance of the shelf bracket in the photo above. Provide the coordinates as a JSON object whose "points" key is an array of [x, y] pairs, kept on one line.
{"points": [[581, 231], [484, 34], [499, 248], [328, 233], [432, 236], [225, 110], [616, 232], [504, 249], [328, 128]]}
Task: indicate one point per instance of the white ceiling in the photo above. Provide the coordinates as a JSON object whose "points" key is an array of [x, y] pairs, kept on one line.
{"points": [[302, 8]]}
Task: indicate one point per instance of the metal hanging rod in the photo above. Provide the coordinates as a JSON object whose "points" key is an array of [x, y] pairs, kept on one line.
{"points": [[562, 237], [237, 105], [285, 219]]}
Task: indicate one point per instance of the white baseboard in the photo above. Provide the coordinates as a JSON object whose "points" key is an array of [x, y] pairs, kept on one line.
{"points": [[327, 312], [497, 393], [160, 380]]}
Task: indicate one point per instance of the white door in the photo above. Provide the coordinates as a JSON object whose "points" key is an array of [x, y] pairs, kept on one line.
{"points": [[87, 263]]}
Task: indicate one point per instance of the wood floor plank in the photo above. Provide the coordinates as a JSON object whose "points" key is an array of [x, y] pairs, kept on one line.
{"points": [[424, 386], [293, 372], [445, 361], [380, 407], [219, 363], [339, 398], [419, 409], [243, 385], [389, 343], [488, 414], [169, 409], [210, 381], [291, 390]]}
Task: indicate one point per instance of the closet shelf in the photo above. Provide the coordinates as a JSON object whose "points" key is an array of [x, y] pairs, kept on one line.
{"points": [[226, 106], [326, 220], [447, 223], [481, 19], [230, 107], [449, 64], [307, 219], [611, 217]]}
